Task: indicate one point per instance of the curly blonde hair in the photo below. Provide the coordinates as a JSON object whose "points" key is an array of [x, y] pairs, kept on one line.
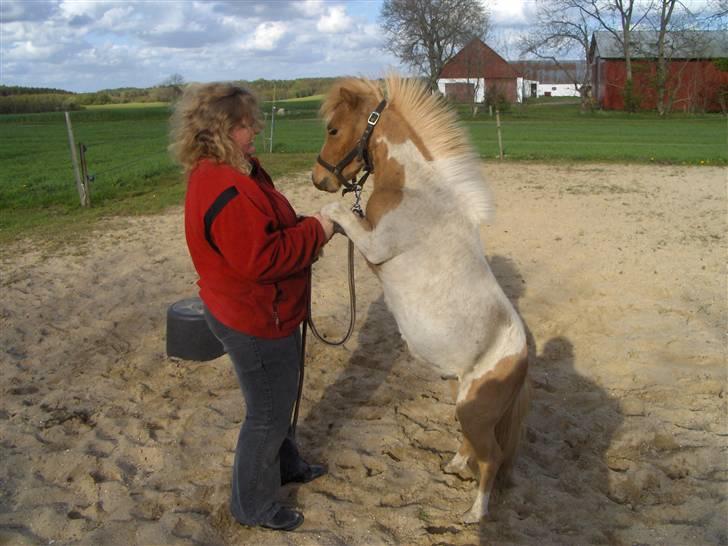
{"points": [[203, 119]]}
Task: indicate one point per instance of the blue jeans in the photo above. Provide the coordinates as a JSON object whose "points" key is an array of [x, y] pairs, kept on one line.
{"points": [[266, 452]]}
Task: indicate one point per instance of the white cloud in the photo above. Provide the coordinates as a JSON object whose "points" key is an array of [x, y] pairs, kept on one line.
{"points": [[117, 19], [334, 21], [508, 11], [91, 45], [266, 36], [310, 8], [17, 32], [69, 9], [28, 51]]}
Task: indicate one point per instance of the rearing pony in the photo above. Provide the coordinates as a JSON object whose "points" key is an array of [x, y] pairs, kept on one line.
{"points": [[420, 234]]}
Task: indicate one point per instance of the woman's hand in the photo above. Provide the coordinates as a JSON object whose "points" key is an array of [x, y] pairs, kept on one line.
{"points": [[327, 224]]}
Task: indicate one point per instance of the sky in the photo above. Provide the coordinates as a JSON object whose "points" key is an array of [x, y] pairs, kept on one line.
{"points": [[89, 45]]}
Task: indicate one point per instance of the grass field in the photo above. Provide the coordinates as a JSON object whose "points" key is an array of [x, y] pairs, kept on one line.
{"points": [[126, 105], [126, 153]]}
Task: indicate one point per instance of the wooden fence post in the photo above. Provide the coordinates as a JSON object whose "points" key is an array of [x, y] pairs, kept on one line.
{"points": [[272, 119], [74, 159], [84, 172], [500, 139]]}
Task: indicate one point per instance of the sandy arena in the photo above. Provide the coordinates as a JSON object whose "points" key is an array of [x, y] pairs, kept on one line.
{"points": [[618, 271]]}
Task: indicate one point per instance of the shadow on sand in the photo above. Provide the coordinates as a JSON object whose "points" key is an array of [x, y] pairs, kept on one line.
{"points": [[379, 346], [562, 459], [560, 480]]}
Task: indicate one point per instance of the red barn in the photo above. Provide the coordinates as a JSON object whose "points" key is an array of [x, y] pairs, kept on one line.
{"points": [[475, 70], [695, 81]]}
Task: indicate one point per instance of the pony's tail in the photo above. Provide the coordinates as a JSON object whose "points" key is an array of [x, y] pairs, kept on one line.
{"points": [[508, 431]]}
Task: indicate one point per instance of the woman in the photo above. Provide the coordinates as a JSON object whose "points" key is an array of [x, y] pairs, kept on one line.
{"points": [[252, 254]]}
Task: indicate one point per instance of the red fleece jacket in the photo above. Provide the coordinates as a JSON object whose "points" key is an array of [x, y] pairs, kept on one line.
{"points": [[257, 283]]}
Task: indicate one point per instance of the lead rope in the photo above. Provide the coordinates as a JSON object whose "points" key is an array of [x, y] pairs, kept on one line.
{"points": [[309, 318]]}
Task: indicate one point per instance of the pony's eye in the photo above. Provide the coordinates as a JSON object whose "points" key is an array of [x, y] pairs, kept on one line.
{"points": [[332, 132]]}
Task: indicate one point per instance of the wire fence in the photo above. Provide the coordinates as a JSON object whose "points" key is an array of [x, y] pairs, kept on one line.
{"points": [[117, 169]]}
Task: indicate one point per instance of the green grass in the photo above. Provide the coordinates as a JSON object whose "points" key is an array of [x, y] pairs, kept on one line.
{"points": [[696, 141], [556, 131], [314, 99], [301, 108], [126, 151], [126, 105]]}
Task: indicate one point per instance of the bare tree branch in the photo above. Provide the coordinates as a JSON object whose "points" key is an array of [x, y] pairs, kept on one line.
{"points": [[562, 26], [425, 34]]}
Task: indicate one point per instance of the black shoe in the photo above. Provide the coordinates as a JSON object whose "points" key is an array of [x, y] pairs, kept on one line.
{"points": [[311, 473], [284, 520]]}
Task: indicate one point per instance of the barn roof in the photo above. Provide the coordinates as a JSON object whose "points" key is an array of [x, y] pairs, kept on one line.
{"points": [[477, 60], [549, 72], [692, 44]]}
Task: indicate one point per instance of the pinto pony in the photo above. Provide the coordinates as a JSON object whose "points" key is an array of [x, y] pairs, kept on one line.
{"points": [[420, 234]]}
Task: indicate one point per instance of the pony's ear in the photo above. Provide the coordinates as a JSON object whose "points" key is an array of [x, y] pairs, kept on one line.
{"points": [[349, 98]]}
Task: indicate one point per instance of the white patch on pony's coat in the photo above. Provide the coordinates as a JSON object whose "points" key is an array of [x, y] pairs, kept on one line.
{"points": [[509, 341], [458, 179], [437, 283]]}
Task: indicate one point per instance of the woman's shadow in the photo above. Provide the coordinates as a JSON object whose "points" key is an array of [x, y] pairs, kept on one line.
{"points": [[561, 476]]}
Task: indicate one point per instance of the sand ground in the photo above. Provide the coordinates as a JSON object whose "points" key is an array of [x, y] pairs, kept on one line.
{"points": [[618, 271]]}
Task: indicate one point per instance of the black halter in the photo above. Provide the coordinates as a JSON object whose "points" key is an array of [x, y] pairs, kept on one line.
{"points": [[360, 152]]}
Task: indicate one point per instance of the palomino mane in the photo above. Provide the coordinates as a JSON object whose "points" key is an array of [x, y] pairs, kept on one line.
{"points": [[357, 86], [428, 115], [437, 126], [446, 140]]}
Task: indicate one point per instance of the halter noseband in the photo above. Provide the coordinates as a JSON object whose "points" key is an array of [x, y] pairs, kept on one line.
{"points": [[360, 152]]}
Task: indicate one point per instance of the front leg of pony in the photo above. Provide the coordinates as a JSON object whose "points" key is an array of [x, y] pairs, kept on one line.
{"points": [[369, 241]]}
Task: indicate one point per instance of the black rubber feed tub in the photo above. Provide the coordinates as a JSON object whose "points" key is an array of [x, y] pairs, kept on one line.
{"points": [[188, 336]]}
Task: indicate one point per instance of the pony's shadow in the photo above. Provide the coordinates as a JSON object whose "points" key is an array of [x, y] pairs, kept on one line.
{"points": [[569, 430], [378, 349]]}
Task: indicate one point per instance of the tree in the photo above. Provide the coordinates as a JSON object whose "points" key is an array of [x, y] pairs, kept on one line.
{"points": [[666, 8], [718, 12], [425, 34], [561, 27], [175, 80], [170, 89], [673, 24], [618, 17]]}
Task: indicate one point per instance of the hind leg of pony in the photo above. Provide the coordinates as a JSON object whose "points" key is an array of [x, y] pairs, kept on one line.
{"points": [[491, 412], [463, 462], [489, 458], [479, 412]]}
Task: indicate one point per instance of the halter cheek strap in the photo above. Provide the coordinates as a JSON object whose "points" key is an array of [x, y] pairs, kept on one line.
{"points": [[360, 152]]}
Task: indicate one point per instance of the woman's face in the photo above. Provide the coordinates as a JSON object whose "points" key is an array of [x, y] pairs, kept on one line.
{"points": [[244, 137]]}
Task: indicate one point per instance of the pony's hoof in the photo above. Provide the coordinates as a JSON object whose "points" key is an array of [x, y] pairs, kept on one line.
{"points": [[459, 467], [473, 516]]}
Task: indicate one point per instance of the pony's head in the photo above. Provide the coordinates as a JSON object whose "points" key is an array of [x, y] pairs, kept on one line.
{"points": [[345, 110]]}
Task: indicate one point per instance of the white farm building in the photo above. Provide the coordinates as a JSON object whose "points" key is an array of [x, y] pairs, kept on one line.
{"points": [[548, 79]]}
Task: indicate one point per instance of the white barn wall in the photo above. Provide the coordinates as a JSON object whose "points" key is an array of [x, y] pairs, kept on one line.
{"points": [[557, 89], [523, 88]]}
